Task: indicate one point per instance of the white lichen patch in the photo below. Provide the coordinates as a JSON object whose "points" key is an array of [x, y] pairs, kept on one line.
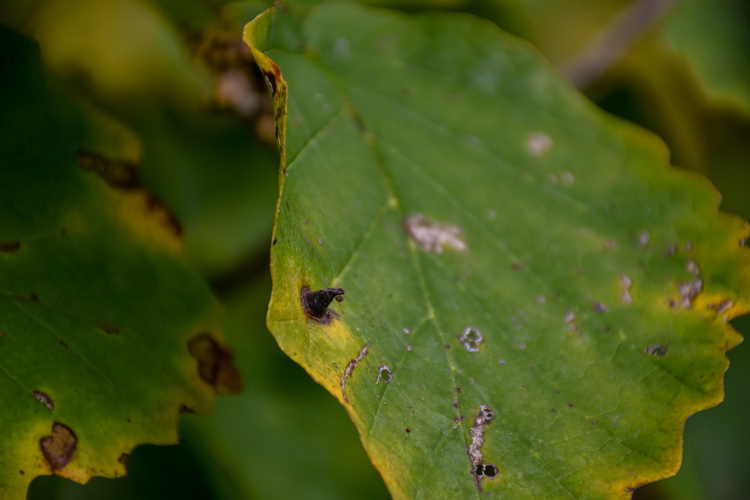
{"points": [[433, 236], [538, 143]]}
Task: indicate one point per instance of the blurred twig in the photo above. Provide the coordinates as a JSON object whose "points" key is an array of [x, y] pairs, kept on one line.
{"points": [[607, 47]]}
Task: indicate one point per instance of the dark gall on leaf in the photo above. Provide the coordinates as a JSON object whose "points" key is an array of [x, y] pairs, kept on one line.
{"points": [[315, 304]]}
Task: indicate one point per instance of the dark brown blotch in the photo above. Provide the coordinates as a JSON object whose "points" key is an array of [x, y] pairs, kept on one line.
{"points": [[271, 80], [215, 364], [117, 173], [58, 449], [107, 328], [10, 246], [315, 304]]}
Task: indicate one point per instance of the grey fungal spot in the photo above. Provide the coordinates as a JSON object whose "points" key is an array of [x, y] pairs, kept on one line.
{"points": [[688, 291], [44, 399], [722, 306], [538, 143], [384, 369], [671, 250], [433, 236], [471, 338], [609, 244], [692, 267], [408, 347], [567, 179], [599, 307], [657, 351], [406, 331], [644, 238], [480, 469], [626, 284], [570, 317], [350, 368]]}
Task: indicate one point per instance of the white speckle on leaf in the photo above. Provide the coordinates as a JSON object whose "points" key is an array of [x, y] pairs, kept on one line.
{"points": [[567, 179], [341, 48], [491, 214], [538, 143], [627, 284], [688, 291], [570, 317], [388, 374], [644, 238], [433, 236], [471, 338], [350, 368], [692, 267]]}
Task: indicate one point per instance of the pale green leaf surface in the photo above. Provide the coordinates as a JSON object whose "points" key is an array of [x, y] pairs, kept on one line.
{"points": [[390, 116], [96, 305]]}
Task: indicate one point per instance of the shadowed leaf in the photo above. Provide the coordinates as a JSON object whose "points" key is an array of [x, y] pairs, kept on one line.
{"points": [[96, 305]]}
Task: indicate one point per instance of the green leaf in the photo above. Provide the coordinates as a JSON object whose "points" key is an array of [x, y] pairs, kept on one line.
{"points": [[713, 38], [549, 296], [105, 335]]}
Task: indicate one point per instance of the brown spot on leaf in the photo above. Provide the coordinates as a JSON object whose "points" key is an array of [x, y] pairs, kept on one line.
{"points": [[123, 458], [106, 328], [10, 246], [44, 399], [63, 343], [215, 364], [58, 448], [117, 173]]}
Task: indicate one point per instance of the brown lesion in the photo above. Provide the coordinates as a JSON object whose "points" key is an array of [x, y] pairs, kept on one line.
{"points": [[58, 449], [10, 246], [215, 364], [123, 176], [107, 328], [238, 86], [119, 174]]}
